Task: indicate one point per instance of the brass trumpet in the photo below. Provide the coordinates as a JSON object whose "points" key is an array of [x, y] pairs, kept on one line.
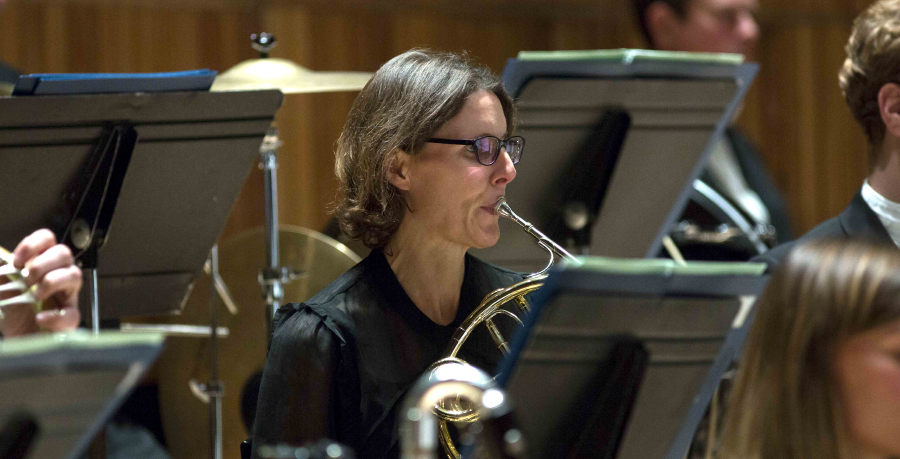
{"points": [[450, 407]]}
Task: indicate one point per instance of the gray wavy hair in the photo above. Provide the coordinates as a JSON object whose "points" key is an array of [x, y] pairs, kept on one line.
{"points": [[406, 102]]}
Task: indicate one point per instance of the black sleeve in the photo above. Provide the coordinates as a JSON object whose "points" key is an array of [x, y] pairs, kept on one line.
{"points": [[297, 388], [774, 257]]}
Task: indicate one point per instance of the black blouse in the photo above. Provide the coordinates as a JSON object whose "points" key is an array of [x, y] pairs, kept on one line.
{"points": [[340, 363]]}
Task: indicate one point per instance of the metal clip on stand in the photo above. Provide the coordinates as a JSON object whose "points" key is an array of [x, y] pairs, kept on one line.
{"points": [[91, 201]]}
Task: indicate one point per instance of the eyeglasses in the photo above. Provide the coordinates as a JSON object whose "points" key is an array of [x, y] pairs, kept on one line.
{"points": [[730, 16], [487, 148]]}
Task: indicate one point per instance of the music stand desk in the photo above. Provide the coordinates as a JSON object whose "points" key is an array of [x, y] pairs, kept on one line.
{"points": [[193, 153], [679, 105], [71, 383], [691, 319]]}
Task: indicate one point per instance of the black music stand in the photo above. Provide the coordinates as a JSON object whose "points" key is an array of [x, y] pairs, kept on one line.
{"points": [[620, 358], [59, 390], [615, 139], [139, 185]]}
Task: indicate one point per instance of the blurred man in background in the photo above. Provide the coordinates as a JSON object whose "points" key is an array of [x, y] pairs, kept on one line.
{"points": [[708, 26], [720, 26]]}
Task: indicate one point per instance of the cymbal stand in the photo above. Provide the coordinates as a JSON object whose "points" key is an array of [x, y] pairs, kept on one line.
{"points": [[273, 277]]}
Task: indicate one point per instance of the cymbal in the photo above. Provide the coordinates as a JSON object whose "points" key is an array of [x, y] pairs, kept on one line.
{"points": [[290, 78], [243, 352]]}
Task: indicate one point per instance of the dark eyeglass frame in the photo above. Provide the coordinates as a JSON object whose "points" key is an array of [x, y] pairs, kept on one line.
{"points": [[501, 142]]}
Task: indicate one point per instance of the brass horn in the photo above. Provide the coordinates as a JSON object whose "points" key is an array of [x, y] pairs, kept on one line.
{"points": [[14, 283], [454, 410]]}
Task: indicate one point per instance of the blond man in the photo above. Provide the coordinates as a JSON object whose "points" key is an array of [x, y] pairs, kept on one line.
{"points": [[869, 81]]}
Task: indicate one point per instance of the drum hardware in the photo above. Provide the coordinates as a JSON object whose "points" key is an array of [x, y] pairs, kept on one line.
{"points": [[283, 274], [274, 73], [221, 288], [242, 356], [490, 307], [187, 331], [264, 42], [210, 393], [273, 278]]}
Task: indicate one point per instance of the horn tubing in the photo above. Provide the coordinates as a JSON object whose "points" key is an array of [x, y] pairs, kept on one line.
{"points": [[503, 209]]}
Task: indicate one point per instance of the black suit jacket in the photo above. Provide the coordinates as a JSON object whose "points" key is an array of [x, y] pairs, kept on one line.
{"points": [[857, 221]]}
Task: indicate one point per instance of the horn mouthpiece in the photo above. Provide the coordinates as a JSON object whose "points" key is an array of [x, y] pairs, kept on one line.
{"points": [[502, 207]]}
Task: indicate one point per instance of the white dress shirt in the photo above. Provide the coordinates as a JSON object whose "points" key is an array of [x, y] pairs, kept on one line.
{"points": [[888, 211]]}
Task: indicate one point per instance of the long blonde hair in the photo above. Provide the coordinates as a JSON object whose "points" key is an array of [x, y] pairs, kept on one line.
{"points": [[786, 402]]}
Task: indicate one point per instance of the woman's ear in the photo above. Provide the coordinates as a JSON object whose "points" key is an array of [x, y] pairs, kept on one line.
{"points": [[889, 108], [398, 169]]}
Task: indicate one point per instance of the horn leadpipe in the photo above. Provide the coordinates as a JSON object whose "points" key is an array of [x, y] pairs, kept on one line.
{"points": [[503, 209]]}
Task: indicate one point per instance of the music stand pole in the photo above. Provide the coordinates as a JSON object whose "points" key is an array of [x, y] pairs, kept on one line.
{"points": [[95, 301], [214, 388]]}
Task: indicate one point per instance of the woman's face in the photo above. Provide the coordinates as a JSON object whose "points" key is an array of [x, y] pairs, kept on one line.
{"points": [[451, 195], [868, 374]]}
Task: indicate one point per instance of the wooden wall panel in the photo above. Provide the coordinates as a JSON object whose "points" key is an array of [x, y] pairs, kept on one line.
{"points": [[60, 36], [794, 111], [800, 50]]}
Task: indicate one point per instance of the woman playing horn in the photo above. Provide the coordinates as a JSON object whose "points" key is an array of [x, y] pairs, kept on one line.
{"points": [[820, 376], [424, 157]]}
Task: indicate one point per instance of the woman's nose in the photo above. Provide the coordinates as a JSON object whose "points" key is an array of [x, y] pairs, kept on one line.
{"points": [[504, 169]]}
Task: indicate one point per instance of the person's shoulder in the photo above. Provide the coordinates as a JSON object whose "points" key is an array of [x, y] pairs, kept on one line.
{"points": [[332, 293], [326, 309], [827, 229], [300, 329]]}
